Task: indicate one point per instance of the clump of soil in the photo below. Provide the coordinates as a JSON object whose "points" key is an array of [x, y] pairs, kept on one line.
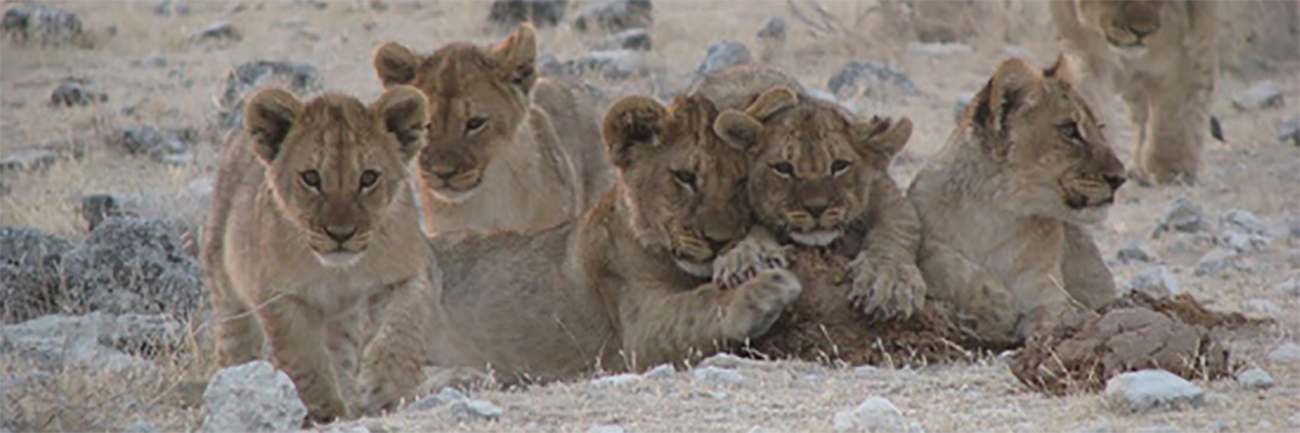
{"points": [[822, 325], [1135, 332]]}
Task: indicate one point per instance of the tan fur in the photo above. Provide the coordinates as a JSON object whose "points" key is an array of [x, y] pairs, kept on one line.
{"points": [[1159, 55], [494, 160], [574, 113], [626, 286], [819, 179], [313, 243], [1002, 203]]}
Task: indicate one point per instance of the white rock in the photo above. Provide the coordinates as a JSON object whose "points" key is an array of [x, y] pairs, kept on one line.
{"points": [[1255, 378], [252, 397], [1146, 390], [1216, 261], [727, 360], [1294, 419], [866, 369], [616, 380], [722, 375], [1158, 429], [1243, 221], [1290, 286], [1286, 353], [443, 397], [875, 414], [1217, 399], [1133, 252], [661, 372], [1243, 243], [1264, 94], [1261, 306], [607, 429], [937, 50], [476, 410], [1288, 131], [1183, 216], [1158, 282]]}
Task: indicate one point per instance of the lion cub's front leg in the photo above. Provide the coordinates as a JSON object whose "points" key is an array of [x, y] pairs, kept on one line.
{"points": [[886, 280], [393, 360], [759, 251], [294, 330]]}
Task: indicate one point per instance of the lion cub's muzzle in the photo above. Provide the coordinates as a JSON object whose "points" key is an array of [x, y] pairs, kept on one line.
{"points": [[815, 226], [694, 251], [339, 245], [1092, 191], [452, 184]]}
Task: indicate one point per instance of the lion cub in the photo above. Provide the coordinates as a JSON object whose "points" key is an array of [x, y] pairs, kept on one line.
{"points": [[1002, 203], [495, 161], [1160, 57], [314, 243]]}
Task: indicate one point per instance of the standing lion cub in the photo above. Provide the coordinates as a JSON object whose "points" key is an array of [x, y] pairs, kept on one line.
{"points": [[314, 243], [495, 160]]}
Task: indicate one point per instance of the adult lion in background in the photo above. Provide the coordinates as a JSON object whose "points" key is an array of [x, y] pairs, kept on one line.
{"points": [[313, 242], [626, 286], [494, 159], [1160, 56], [1002, 205]]}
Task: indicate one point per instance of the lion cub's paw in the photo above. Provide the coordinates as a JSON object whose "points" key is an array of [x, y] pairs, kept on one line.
{"points": [[746, 260], [385, 383], [885, 288], [326, 410], [757, 303]]}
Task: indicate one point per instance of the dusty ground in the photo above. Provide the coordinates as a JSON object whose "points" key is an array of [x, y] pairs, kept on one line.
{"points": [[1253, 171]]}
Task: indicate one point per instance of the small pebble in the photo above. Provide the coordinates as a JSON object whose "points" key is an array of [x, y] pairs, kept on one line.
{"points": [[476, 410], [661, 372], [616, 380], [1158, 282], [1285, 353], [1290, 286], [715, 374], [1261, 306], [1147, 390], [607, 429], [1255, 378]]}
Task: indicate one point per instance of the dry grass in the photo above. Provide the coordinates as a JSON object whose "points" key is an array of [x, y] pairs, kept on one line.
{"points": [[1252, 172]]}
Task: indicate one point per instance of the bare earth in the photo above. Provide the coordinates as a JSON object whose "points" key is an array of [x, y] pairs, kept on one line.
{"points": [[1252, 171]]}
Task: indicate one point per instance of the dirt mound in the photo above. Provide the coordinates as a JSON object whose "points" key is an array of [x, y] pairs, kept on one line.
{"points": [[1136, 332], [823, 326]]}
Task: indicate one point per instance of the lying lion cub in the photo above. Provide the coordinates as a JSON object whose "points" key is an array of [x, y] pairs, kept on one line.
{"points": [[495, 160], [818, 178], [313, 242], [1002, 203], [626, 285]]}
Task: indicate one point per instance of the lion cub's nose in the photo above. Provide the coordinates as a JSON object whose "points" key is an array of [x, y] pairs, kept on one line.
{"points": [[341, 233], [444, 172], [1115, 181]]}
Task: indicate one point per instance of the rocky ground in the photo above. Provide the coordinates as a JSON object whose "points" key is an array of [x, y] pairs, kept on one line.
{"points": [[112, 114]]}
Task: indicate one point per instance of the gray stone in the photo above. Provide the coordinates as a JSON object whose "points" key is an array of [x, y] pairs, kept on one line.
{"points": [[873, 81], [607, 429], [154, 60], [1216, 261], [144, 140], [1133, 252], [1183, 216], [616, 380], [253, 397], [303, 80], [937, 50], [1294, 419], [28, 160], [1288, 131], [40, 25], [610, 65], [218, 33], [96, 208], [1261, 95], [170, 8], [773, 29], [1157, 281], [720, 375], [1255, 378], [1158, 429], [1290, 286], [1285, 354], [1243, 243], [1243, 221], [30, 261], [132, 265], [542, 13], [56, 342], [1217, 399], [1261, 306], [466, 410], [615, 16], [724, 55], [875, 414], [633, 39], [727, 360], [77, 91], [443, 397], [661, 372], [1148, 390]]}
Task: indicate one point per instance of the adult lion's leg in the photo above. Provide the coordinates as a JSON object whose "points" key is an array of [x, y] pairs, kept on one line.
{"points": [[662, 325], [1139, 109], [295, 334], [393, 361], [239, 335], [982, 301], [1176, 138], [1086, 276]]}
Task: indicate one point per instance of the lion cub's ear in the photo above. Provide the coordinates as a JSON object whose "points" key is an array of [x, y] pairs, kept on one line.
{"points": [[395, 64], [738, 129], [881, 138], [631, 123], [1061, 70], [518, 56], [269, 116], [770, 102], [404, 111], [1004, 93]]}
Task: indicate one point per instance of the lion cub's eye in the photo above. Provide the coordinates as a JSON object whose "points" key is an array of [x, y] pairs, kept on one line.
{"points": [[839, 166], [475, 124], [685, 177], [311, 178], [784, 168], [368, 178], [1070, 130]]}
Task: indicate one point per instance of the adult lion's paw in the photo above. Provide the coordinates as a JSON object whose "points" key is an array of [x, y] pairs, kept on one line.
{"points": [[885, 288], [744, 262], [757, 303]]}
